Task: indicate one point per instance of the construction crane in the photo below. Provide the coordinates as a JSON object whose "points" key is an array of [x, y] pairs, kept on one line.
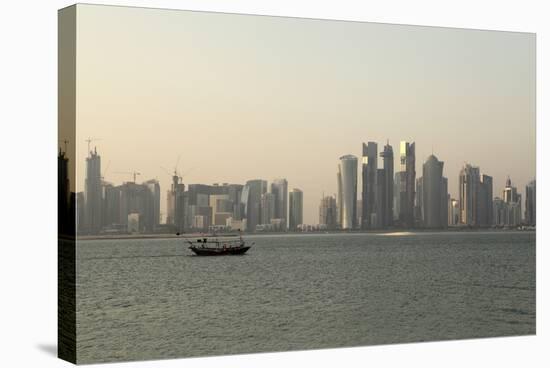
{"points": [[133, 173], [65, 142], [90, 140], [176, 173], [102, 177]]}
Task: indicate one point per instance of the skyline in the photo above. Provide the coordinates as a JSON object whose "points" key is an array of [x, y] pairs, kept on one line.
{"points": [[272, 183], [458, 93]]}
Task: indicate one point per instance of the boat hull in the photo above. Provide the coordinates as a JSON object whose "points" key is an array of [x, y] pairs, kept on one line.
{"points": [[236, 251]]}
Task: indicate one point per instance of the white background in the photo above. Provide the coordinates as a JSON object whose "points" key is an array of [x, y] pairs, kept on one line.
{"points": [[28, 143]]}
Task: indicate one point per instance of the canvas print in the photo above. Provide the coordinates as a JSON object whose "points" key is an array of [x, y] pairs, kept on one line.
{"points": [[238, 184]]}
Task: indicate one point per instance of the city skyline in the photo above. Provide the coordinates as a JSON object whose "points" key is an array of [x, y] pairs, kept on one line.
{"points": [[350, 218], [263, 112], [166, 179]]}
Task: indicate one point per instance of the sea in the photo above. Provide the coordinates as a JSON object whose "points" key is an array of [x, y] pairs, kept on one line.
{"points": [[140, 299]]}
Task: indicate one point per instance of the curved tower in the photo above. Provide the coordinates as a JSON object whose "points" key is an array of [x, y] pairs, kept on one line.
{"points": [[347, 173]]}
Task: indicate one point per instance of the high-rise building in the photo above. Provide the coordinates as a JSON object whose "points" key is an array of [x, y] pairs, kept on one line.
{"points": [[93, 194], [378, 215], [234, 192], [222, 208], [176, 205], [152, 219], [468, 187], [347, 190], [279, 187], [358, 215], [369, 172], [485, 201], [65, 220], [339, 198], [434, 194], [445, 198], [141, 200], [327, 212], [507, 211], [407, 183], [419, 203], [252, 202], [386, 200], [268, 207], [510, 193], [454, 212], [512, 201], [398, 191], [111, 205], [296, 208], [531, 203], [80, 212], [214, 204]]}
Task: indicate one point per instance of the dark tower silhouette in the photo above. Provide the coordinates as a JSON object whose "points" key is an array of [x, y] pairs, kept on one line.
{"points": [[387, 199]]}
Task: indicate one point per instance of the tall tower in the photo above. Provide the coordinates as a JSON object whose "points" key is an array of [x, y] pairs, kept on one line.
{"points": [[64, 220], [387, 199], [408, 182], [512, 201], [296, 207], [433, 193], [93, 193], [369, 171], [485, 201], [468, 187], [279, 187], [256, 188], [327, 212], [176, 204], [348, 191], [531, 203]]}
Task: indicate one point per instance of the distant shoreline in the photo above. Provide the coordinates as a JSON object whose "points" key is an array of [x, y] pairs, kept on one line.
{"points": [[389, 232]]}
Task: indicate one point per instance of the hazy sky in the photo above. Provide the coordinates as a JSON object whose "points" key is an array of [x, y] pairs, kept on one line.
{"points": [[244, 97]]}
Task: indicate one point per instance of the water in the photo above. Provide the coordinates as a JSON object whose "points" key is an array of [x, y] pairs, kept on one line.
{"points": [[150, 299]]}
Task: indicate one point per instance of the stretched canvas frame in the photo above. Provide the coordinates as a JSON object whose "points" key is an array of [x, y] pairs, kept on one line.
{"points": [[393, 268]]}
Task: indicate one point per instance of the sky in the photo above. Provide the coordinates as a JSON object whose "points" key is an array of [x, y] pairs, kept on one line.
{"points": [[240, 97]]}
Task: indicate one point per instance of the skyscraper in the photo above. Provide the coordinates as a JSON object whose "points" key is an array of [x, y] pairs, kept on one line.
{"points": [[327, 212], [445, 198], [378, 214], [296, 208], [65, 224], [221, 207], [279, 187], [347, 175], [419, 203], [507, 211], [153, 204], [485, 201], [339, 198], [434, 194], [93, 195], [386, 201], [531, 203], [454, 212], [255, 190], [369, 172], [407, 183], [176, 205], [499, 212], [512, 201], [468, 187], [268, 206], [111, 205], [398, 190]]}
